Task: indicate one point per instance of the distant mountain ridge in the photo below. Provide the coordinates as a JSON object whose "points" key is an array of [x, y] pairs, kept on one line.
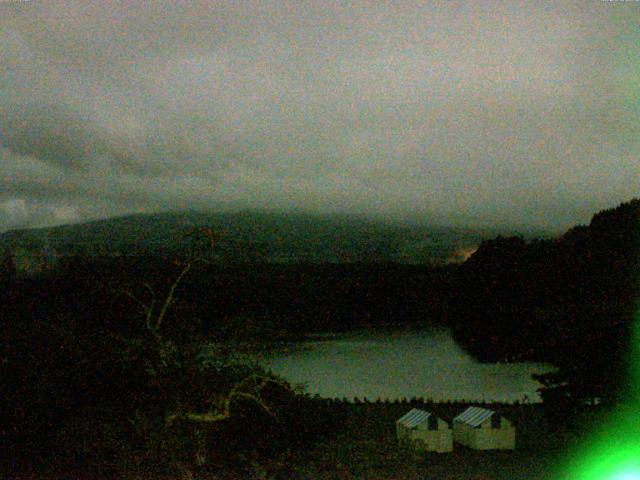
{"points": [[253, 236]]}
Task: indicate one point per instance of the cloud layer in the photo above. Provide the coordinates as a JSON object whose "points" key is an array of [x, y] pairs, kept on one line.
{"points": [[474, 113]]}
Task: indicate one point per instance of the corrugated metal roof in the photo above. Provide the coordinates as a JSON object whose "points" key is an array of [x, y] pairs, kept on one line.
{"points": [[414, 418], [474, 416]]}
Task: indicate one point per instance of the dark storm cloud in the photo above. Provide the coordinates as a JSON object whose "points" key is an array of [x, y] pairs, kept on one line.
{"points": [[455, 112]]}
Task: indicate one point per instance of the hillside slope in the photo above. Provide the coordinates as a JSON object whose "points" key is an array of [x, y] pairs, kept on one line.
{"points": [[254, 236]]}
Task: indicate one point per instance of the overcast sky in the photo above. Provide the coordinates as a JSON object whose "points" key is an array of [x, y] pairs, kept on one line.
{"points": [[461, 113]]}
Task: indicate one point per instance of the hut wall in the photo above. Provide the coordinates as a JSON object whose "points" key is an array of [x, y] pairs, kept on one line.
{"points": [[485, 437], [440, 440], [462, 433], [403, 433], [499, 438], [433, 440]]}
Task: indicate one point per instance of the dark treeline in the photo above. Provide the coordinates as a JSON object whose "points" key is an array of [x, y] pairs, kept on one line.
{"points": [[569, 301], [214, 299]]}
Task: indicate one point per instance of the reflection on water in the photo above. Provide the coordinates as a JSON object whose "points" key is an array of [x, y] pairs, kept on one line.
{"points": [[396, 364]]}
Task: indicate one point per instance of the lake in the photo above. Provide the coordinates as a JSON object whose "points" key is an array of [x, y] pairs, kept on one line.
{"points": [[402, 363]]}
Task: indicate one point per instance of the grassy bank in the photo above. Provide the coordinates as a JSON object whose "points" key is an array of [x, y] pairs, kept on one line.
{"points": [[363, 445], [358, 441], [366, 448]]}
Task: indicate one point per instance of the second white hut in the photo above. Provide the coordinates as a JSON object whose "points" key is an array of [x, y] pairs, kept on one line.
{"points": [[425, 431], [484, 429]]}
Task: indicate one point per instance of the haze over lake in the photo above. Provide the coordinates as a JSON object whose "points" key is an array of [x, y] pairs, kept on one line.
{"points": [[400, 363]]}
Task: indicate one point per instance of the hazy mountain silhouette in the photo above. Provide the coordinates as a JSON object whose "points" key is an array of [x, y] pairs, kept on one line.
{"points": [[255, 236]]}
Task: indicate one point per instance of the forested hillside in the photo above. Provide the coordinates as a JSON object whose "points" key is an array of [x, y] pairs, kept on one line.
{"points": [[253, 236], [570, 301]]}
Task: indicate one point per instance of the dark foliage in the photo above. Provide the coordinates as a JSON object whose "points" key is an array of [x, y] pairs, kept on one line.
{"points": [[86, 387], [568, 301]]}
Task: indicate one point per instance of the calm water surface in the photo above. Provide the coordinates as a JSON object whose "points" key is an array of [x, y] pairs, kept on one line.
{"points": [[394, 364]]}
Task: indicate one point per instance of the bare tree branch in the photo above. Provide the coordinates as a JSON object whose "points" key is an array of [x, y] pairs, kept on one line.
{"points": [[152, 307], [237, 392], [169, 300]]}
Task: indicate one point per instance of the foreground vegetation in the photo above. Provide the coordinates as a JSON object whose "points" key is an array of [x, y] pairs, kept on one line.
{"points": [[365, 447], [337, 440]]}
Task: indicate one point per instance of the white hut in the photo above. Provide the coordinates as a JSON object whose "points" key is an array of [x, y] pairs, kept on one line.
{"points": [[425, 431], [484, 429]]}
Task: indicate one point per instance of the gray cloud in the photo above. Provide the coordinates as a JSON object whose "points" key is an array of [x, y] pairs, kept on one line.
{"points": [[452, 112]]}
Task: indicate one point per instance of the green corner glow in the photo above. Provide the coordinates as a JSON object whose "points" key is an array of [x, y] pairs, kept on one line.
{"points": [[613, 450], [630, 475]]}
